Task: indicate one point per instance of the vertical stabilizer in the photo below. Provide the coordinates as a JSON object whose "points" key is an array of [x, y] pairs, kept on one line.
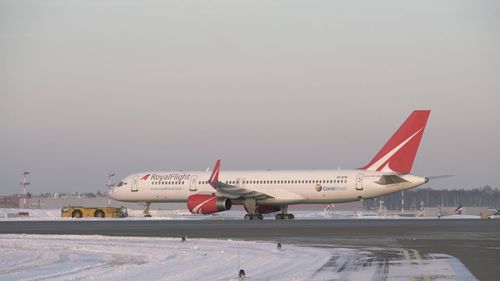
{"points": [[398, 153]]}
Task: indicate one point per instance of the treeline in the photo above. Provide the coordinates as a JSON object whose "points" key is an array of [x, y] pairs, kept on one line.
{"points": [[64, 195], [479, 197]]}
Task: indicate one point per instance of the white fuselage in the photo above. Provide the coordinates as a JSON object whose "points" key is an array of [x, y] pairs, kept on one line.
{"points": [[289, 187]]}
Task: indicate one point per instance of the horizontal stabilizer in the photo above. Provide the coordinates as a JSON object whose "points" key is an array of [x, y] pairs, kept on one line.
{"points": [[390, 179]]}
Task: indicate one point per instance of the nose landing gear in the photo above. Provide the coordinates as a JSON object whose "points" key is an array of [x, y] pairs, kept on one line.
{"points": [[146, 209]]}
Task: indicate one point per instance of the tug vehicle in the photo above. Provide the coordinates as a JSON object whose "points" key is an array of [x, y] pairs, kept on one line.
{"points": [[93, 212]]}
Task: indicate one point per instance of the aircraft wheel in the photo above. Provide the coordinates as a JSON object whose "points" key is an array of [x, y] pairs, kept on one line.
{"points": [[147, 215], [291, 216], [99, 214], [76, 214], [279, 216], [248, 217], [259, 217]]}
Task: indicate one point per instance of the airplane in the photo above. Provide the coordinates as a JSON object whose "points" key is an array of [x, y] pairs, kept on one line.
{"points": [[496, 215], [269, 191], [459, 210]]}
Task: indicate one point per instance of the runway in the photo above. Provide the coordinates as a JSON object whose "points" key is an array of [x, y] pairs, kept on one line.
{"points": [[475, 243]]}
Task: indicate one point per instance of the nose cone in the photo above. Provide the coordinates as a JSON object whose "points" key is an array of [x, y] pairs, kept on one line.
{"points": [[112, 193], [426, 180], [116, 193]]}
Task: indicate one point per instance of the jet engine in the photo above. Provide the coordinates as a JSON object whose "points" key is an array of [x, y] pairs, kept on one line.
{"points": [[208, 204]]}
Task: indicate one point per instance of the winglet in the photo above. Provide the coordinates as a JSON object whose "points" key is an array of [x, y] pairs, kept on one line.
{"points": [[215, 173]]}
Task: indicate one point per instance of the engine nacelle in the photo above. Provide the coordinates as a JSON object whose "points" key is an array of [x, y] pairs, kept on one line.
{"points": [[208, 204]]}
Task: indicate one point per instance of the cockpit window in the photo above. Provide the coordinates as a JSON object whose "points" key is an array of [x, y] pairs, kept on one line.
{"points": [[120, 183]]}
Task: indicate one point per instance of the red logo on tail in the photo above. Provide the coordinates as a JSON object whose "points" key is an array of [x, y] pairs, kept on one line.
{"points": [[398, 153]]}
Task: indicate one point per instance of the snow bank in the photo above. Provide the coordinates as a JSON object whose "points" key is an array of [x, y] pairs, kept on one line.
{"points": [[55, 214], [78, 257], [64, 257]]}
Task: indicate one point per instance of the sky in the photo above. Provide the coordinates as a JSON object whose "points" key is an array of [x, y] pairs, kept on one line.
{"points": [[89, 87]]}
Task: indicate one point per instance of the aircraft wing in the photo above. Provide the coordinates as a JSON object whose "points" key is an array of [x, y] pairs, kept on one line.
{"points": [[237, 192]]}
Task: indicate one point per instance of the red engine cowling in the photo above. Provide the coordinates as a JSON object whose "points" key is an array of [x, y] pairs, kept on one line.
{"points": [[207, 204]]}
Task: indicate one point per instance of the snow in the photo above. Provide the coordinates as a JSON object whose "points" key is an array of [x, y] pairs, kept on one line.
{"points": [[79, 257], [64, 257], [55, 214]]}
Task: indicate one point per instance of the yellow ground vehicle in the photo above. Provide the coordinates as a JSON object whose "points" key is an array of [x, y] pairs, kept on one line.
{"points": [[93, 212]]}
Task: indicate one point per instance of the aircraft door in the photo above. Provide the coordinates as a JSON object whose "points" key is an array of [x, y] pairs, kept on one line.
{"points": [[193, 182], [359, 182], [135, 184], [241, 182]]}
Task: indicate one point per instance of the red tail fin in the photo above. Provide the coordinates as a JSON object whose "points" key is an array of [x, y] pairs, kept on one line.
{"points": [[398, 153], [215, 173]]}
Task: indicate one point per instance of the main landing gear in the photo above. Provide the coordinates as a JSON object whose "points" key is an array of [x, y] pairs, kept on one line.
{"points": [[284, 215], [254, 217], [146, 209], [251, 208]]}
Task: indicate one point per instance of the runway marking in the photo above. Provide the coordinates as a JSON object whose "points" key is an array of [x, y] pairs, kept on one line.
{"points": [[420, 261], [416, 260]]}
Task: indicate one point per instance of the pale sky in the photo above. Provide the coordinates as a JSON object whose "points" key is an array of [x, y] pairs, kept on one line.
{"points": [[88, 87]]}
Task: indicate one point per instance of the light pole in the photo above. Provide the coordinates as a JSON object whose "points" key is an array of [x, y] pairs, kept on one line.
{"points": [[110, 175], [24, 183], [402, 202]]}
